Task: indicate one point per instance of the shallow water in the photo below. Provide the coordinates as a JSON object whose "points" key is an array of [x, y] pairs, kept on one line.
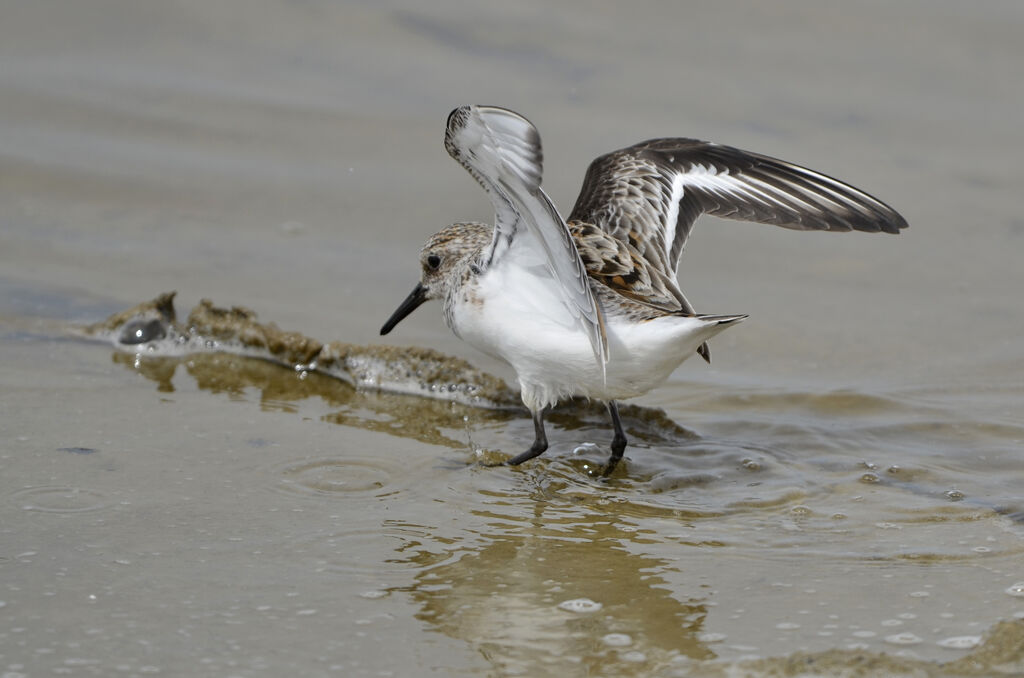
{"points": [[845, 479]]}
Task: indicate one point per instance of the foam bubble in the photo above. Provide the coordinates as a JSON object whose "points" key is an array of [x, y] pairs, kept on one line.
{"points": [[617, 640], [580, 605], [905, 638], [711, 637], [960, 642], [1016, 590]]}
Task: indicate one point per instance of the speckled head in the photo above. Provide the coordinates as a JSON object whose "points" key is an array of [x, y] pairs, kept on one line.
{"points": [[446, 256]]}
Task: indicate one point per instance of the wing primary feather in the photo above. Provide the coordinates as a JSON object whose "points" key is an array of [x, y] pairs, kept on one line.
{"points": [[652, 192]]}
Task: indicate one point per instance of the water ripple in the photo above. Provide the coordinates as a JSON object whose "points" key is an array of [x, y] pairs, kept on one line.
{"points": [[60, 499], [337, 477]]}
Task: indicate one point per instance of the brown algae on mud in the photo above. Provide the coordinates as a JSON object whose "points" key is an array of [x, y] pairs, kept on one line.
{"points": [[151, 329], [415, 371], [239, 324]]}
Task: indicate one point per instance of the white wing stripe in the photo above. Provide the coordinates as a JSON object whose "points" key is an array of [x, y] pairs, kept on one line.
{"points": [[678, 183], [794, 196], [727, 185]]}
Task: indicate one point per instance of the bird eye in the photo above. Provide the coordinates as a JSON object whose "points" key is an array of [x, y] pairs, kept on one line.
{"points": [[433, 261]]}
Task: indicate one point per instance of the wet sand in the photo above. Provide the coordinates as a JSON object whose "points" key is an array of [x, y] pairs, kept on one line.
{"points": [[843, 481]]}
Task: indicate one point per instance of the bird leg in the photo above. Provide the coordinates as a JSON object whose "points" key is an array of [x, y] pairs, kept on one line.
{"points": [[618, 442], [540, 441]]}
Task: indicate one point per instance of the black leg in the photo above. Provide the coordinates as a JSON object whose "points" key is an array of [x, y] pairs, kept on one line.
{"points": [[618, 442], [540, 441]]}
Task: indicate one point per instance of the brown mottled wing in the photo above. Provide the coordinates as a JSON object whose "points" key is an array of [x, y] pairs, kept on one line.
{"points": [[621, 267], [650, 194]]}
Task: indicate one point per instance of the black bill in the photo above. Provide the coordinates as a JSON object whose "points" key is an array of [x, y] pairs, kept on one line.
{"points": [[411, 303]]}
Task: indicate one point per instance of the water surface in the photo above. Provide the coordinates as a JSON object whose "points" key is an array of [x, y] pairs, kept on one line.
{"points": [[844, 481]]}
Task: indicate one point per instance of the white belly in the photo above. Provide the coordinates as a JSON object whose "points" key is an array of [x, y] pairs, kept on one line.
{"points": [[532, 330]]}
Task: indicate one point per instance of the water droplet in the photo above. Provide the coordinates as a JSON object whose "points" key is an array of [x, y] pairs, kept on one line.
{"points": [[869, 478], [918, 594], [751, 465], [617, 640], [634, 656], [787, 626], [580, 605], [801, 510], [374, 594], [892, 622], [960, 642], [905, 638], [954, 495]]}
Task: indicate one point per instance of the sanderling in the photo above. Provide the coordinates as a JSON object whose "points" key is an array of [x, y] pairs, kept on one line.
{"points": [[590, 306]]}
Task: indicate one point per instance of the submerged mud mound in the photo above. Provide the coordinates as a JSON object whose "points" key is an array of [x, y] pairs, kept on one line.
{"points": [[152, 329]]}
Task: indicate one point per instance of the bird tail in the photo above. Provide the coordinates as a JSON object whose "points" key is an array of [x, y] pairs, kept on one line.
{"points": [[722, 319]]}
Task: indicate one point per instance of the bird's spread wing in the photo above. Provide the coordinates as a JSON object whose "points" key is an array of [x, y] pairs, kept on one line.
{"points": [[502, 151], [649, 195]]}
